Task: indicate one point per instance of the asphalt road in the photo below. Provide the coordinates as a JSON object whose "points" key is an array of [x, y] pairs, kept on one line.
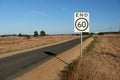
{"points": [[15, 64]]}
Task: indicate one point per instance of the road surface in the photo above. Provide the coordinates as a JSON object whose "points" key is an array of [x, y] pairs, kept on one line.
{"points": [[15, 64]]}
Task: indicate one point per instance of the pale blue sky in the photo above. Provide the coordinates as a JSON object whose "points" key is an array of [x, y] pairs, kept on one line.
{"points": [[56, 16]]}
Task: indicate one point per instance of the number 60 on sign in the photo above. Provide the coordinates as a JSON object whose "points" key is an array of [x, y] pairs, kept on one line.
{"points": [[81, 22]]}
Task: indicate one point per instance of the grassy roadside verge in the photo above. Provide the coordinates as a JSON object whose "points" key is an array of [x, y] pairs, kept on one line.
{"points": [[66, 73], [102, 62], [91, 45]]}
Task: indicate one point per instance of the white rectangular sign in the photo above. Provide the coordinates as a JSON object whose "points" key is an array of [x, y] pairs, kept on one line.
{"points": [[81, 22]]}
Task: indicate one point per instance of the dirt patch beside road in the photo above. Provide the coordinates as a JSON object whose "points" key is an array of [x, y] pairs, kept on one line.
{"points": [[50, 70]]}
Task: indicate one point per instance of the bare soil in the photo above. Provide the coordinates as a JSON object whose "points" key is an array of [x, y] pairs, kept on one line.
{"points": [[101, 63], [12, 43]]}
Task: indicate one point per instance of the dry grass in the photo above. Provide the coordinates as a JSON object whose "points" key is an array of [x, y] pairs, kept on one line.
{"points": [[103, 62], [10, 44]]}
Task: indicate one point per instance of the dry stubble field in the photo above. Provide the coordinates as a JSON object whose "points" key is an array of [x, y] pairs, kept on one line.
{"points": [[102, 62], [12, 43]]}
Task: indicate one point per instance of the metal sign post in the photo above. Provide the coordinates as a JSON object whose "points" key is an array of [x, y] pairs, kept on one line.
{"points": [[81, 46], [81, 24]]}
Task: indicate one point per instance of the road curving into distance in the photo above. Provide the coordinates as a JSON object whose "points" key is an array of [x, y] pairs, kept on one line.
{"points": [[15, 64]]}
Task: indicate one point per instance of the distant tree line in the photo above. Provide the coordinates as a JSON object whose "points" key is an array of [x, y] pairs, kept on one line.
{"points": [[42, 33], [36, 34], [102, 33], [84, 33], [24, 35], [8, 35]]}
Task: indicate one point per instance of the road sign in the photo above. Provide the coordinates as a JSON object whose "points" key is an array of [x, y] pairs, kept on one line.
{"points": [[81, 22]]}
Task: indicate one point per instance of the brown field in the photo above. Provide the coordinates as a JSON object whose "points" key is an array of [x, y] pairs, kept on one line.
{"points": [[102, 62], [12, 43]]}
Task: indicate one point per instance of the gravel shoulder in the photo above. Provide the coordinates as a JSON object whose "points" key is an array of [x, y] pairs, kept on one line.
{"points": [[50, 70]]}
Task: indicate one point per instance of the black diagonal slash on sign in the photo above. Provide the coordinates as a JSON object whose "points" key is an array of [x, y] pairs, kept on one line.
{"points": [[81, 24]]}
